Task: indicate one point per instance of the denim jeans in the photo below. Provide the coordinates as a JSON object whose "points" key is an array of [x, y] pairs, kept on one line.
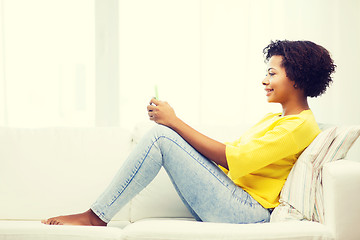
{"points": [[208, 193]]}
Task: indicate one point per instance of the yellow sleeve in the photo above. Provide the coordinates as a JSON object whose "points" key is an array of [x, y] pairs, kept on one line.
{"points": [[236, 142], [275, 144]]}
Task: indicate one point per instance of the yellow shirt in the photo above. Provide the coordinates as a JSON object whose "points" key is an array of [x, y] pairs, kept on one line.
{"points": [[260, 161]]}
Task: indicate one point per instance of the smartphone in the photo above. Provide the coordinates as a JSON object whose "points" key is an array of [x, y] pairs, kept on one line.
{"points": [[156, 92]]}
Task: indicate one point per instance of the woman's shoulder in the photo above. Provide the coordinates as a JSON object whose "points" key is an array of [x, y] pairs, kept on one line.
{"points": [[304, 119], [303, 123], [305, 115]]}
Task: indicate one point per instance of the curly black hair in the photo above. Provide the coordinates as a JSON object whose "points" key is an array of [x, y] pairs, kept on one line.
{"points": [[309, 65]]}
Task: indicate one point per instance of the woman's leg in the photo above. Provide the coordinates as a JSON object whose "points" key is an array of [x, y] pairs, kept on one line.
{"points": [[208, 193], [206, 190]]}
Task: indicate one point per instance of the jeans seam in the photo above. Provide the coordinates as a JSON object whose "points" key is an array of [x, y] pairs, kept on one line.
{"points": [[181, 195], [241, 200], [157, 157], [129, 180], [197, 160], [131, 177], [100, 214], [146, 155]]}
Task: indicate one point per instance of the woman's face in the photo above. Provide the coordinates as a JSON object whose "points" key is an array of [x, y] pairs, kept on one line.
{"points": [[278, 86]]}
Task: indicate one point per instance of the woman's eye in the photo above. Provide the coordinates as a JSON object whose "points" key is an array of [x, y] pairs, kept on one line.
{"points": [[271, 74]]}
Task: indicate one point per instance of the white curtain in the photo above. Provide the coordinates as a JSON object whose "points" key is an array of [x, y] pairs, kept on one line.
{"points": [[205, 56]]}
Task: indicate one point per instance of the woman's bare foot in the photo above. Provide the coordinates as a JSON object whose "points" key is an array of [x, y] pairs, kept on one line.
{"points": [[88, 218]]}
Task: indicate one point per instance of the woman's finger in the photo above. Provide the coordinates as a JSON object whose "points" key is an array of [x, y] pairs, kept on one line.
{"points": [[151, 114], [152, 118], [151, 108], [154, 101]]}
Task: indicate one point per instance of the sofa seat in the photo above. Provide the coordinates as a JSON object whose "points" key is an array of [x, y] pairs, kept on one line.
{"points": [[161, 229], [35, 230], [165, 228]]}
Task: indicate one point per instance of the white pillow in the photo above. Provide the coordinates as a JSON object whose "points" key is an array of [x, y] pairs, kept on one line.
{"points": [[302, 196], [295, 195]]}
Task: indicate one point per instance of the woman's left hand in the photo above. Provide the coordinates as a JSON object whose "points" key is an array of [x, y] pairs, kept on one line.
{"points": [[161, 112]]}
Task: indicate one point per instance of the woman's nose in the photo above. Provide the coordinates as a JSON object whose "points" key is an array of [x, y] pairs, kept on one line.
{"points": [[265, 81]]}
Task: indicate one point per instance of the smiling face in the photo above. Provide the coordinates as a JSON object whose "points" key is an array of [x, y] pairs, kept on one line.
{"points": [[279, 88]]}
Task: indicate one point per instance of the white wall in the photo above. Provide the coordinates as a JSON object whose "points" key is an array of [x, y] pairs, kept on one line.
{"points": [[159, 44], [2, 70], [48, 62], [204, 55], [207, 57]]}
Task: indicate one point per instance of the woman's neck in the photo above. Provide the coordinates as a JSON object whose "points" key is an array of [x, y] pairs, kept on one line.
{"points": [[295, 107]]}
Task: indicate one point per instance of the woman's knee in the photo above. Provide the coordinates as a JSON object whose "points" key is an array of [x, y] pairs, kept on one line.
{"points": [[165, 138], [162, 131]]}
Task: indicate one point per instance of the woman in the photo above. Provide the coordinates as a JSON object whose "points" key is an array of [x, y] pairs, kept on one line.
{"points": [[237, 182]]}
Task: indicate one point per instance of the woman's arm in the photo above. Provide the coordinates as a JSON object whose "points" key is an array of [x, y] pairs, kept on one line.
{"points": [[162, 113]]}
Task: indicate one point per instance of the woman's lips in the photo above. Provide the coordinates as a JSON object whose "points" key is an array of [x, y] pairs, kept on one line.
{"points": [[268, 91]]}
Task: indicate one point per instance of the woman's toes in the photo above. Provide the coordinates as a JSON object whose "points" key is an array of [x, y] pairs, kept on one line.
{"points": [[45, 221]]}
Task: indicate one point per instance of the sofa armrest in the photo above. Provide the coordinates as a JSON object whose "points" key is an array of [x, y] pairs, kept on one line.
{"points": [[341, 184]]}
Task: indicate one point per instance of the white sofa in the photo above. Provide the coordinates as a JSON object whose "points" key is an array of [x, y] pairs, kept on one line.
{"points": [[56, 171]]}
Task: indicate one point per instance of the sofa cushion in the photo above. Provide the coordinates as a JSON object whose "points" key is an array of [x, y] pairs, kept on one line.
{"points": [[186, 229], [34, 230], [50, 171], [158, 199]]}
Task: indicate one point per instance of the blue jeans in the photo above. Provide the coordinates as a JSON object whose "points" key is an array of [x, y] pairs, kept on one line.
{"points": [[208, 193]]}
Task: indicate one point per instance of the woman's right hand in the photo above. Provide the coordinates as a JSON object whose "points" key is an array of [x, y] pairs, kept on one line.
{"points": [[161, 112]]}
